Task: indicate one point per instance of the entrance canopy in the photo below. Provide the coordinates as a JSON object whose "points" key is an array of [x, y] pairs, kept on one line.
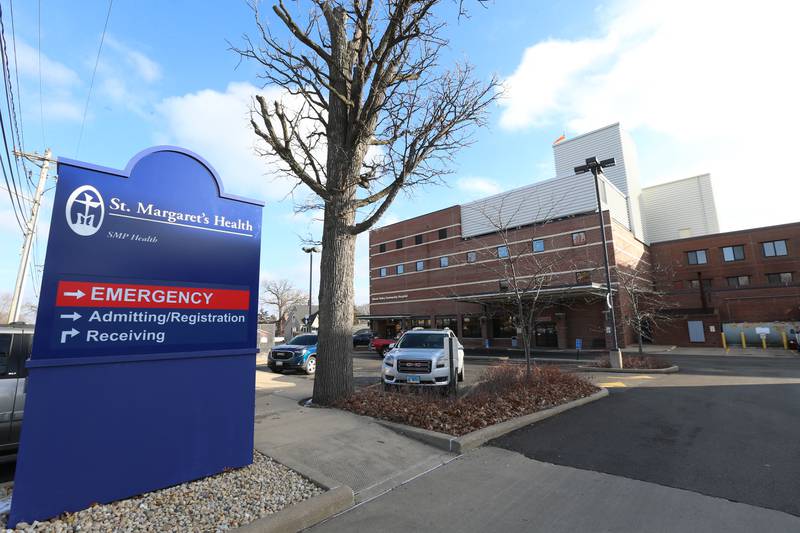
{"points": [[556, 293], [381, 317]]}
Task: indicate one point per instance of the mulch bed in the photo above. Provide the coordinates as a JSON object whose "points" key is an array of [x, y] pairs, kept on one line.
{"points": [[504, 393], [637, 362]]}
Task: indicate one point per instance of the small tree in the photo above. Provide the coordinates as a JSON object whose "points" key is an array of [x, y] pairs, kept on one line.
{"points": [[368, 113], [645, 304], [522, 273], [281, 295]]}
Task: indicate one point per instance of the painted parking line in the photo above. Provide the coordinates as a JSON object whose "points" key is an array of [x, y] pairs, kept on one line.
{"points": [[612, 384]]}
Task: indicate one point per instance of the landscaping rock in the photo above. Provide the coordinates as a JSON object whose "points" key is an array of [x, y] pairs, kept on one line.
{"points": [[216, 503]]}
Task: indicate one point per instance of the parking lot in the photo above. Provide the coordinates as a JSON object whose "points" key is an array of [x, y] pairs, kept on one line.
{"points": [[367, 368]]}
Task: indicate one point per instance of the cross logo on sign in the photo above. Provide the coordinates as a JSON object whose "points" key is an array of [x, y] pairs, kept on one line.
{"points": [[85, 210]]}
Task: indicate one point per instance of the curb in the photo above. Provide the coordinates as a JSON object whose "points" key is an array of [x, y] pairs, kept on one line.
{"points": [[477, 438], [669, 370], [517, 360], [301, 515]]}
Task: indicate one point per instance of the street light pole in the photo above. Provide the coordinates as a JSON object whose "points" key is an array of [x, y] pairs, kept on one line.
{"points": [[310, 250], [596, 168]]}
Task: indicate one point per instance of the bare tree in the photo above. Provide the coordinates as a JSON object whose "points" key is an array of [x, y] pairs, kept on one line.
{"points": [[5, 306], [368, 113], [282, 295], [522, 273], [644, 304]]}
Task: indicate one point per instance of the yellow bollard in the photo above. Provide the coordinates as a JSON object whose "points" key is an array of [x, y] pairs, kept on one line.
{"points": [[744, 342], [763, 342], [724, 342], [785, 340]]}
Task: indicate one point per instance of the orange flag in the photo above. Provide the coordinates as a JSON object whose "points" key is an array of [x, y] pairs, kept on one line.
{"points": [[563, 136]]}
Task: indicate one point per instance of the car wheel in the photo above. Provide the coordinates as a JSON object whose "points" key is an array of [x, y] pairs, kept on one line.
{"points": [[311, 365], [461, 374]]}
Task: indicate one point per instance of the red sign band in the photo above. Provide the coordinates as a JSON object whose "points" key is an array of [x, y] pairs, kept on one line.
{"points": [[98, 294]]}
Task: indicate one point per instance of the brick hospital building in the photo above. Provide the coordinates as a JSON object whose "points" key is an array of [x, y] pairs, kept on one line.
{"points": [[449, 268]]}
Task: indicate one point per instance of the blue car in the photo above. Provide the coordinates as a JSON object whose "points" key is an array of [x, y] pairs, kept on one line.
{"points": [[300, 353]]}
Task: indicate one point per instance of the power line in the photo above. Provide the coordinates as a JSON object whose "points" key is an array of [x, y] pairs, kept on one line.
{"points": [[11, 121], [94, 71], [16, 136], [29, 180]]}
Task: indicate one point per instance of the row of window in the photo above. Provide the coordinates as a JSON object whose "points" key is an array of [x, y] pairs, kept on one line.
{"points": [[736, 253], [537, 246], [578, 238], [418, 239], [502, 326], [779, 278]]}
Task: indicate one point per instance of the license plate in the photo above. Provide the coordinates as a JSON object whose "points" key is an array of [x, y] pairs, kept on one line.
{"points": [[412, 379], [278, 363]]}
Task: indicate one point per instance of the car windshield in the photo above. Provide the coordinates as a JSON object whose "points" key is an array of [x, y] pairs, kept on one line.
{"points": [[422, 340], [304, 340]]}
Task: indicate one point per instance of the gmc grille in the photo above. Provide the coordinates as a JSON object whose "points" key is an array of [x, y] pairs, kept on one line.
{"points": [[414, 366], [282, 355]]}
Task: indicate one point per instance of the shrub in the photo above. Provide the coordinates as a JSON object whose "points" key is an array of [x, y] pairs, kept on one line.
{"points": [[637, 362], [505, 393]]}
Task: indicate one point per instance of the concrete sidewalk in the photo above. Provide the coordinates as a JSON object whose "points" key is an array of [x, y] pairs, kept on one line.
{"points": [[490, 489], [346, 448]]}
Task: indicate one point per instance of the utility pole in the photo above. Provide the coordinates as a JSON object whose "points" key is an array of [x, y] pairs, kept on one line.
{"points": [[30, 233], [596, 168]]}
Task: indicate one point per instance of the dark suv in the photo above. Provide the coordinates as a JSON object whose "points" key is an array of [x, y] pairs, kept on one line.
{"points": [[362, 337]]}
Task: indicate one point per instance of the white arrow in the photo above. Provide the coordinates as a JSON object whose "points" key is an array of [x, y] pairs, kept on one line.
{"points": [[73, 316], [77, 294], [68, 334]]}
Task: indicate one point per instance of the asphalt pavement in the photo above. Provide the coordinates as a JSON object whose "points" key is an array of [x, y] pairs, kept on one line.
{"points": [[722, 427], [713, 448]]}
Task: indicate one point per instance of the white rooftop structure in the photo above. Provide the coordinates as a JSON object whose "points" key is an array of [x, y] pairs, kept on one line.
{"points": [[661, 212]]}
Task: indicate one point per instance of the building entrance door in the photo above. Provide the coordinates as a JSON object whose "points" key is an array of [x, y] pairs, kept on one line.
{"points": [[546, 335]]}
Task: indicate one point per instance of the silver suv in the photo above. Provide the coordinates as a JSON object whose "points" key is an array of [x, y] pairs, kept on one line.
{"points": [[419, 358], [15, 348]]}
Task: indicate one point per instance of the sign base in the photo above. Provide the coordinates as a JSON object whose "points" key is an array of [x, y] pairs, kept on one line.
{"points": [[81, 415]]}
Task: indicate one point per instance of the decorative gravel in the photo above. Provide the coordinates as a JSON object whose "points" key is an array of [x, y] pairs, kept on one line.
{"points": [[217, 503]]}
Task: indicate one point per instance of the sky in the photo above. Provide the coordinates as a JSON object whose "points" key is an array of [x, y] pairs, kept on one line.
{"points": [[701, 87]]}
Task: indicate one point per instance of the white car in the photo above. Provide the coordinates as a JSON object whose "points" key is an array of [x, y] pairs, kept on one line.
{"points": [[419, 358]]}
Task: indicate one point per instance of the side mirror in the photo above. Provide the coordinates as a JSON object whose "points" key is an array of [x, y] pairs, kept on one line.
{"points": [[391, 346]]}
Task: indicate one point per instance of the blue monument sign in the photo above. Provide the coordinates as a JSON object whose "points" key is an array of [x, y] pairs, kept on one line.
{"points": [[143, 364]]}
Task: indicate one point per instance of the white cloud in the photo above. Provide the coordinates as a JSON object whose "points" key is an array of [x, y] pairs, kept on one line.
{"points": [[145, 68], [476, 186], [53, 72], [59, 84], [216, 124], [713, 81]]}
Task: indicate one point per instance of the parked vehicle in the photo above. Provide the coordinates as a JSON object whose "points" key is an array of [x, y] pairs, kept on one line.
{"points": [[300, 353], [362, 337], [15, 348], [381, 345], [419, 358]]}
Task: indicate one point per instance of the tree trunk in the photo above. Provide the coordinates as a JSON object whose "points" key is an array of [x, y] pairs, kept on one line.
{"points": [[641, 348], [334, 379]]}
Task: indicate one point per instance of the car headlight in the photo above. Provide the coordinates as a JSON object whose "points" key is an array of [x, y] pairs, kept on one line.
{"points": [[442, 361], [389, 361]]}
